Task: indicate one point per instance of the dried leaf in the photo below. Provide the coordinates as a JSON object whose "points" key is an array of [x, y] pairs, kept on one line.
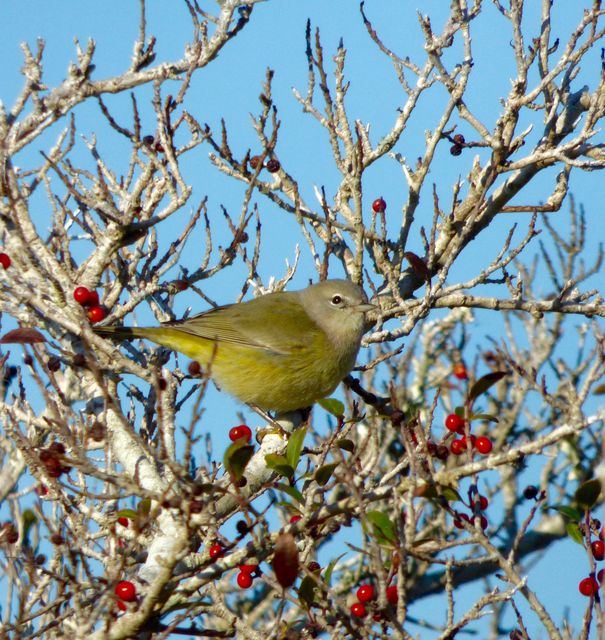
{"points": [[285, 560], [23, 335]]}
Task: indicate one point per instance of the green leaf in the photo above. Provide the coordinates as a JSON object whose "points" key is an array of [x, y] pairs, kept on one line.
{"points": [[333, 406], [324, 473], [459, 411], [330, 568], [384, 529], [484, 383], [345, 444], [280, 464], [295, 445], [569, 512], [306, 591], [293, 492], [131, 514], [237, 456], [588, 493], [574, 532]]}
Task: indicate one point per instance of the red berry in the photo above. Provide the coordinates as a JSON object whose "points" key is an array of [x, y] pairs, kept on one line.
{"points": [[123, 521], [93, 299], [459, 139], [358, 609], [125, 590], [81, 295], [482, 501], [215, 551], [458, 520], [465, 442], [598, 549], [194, 368], [483, 445], [5, 260], [295, 518], [392, 596], [588, 586], [601, 575], [365, 593], [241, 431], [96, 314], [244, 580], [248, 568], [457, 446], [460, 371], [379, 205], [41, 490], [455, 423], [121, 605]]}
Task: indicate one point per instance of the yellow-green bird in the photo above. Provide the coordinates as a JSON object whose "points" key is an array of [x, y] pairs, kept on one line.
{"points": [[282, 351]]}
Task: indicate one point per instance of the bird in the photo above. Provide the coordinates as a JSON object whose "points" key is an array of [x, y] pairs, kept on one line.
{"points": [[280, 352]]}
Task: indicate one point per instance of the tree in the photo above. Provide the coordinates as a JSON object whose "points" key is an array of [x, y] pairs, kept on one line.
{"points": [[134, 531]]}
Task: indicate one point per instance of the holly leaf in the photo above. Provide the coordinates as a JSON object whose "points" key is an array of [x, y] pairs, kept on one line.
{"points": [[237, 455], [295, 445], [280, 464], [588, 493], [569, 512], [285, 560], [306, 591], [383, 527], [324, 473], [484, 383], [345, 444], [574, 532], [23, 335], [332, 406], [483, 416], [293, 492]]}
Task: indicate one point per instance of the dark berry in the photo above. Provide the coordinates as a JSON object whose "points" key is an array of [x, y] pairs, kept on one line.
{"points": [[273, 165], [255, 161], [194, 368], [455, 149], [459, 139], [530, 492], [97, 431]]}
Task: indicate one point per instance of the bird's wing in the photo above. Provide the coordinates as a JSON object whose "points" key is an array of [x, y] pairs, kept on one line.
{"points": [[273, 323]]}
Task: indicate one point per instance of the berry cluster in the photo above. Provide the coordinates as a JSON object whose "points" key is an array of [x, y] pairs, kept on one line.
{"points": [[90, 300], [126, 592], [366, 594], [589, 586], [272, 165], [53, 460], [477, 503], [456, 424]]}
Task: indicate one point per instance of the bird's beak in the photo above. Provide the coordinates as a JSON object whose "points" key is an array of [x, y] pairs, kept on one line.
{"points": [[365, 307]]}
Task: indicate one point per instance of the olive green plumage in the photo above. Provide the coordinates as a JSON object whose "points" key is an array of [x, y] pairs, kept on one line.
{"points": [[282, 351]]}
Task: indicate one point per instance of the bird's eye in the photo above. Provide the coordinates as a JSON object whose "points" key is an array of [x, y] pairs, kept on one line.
{"points": [[336, 300]]}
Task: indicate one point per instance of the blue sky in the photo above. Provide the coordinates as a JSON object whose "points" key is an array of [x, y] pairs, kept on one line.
{"points": [[230, 87]]}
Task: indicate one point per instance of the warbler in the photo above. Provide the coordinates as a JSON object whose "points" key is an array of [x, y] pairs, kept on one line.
{"points": [[282, 351]]}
